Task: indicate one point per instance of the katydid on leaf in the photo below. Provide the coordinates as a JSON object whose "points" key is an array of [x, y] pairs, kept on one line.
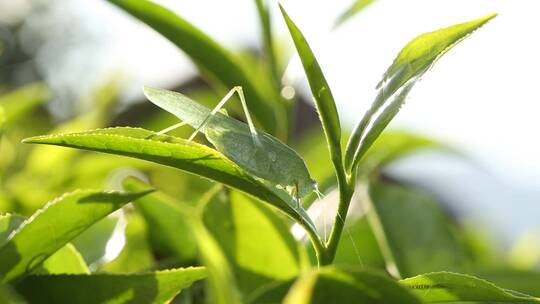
{"points": [[257, 152]]}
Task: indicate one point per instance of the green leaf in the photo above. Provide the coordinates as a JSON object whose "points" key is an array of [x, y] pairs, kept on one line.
{"points": [[223, 288], [181, 154], [411, 63], [136, 255], [8, 224], [66, 260], [519, 280], [151, 287], [2, 122], [351, 11], [326, 106], [257, 243], [93, 241], [359, 246], [268, 42], [168, 230], [393, 145], [206, 53], [220, 276], [332, 285], [8, 296], [414, 234], [447, 287], [20, 101], [53, 226]]}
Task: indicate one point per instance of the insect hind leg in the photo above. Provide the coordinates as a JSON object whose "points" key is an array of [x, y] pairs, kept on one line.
{"points": [[222, 102], [168, 129]]}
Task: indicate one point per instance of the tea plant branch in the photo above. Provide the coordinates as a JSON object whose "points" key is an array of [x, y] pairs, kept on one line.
{"points": [[346, 191], [326, 107]]}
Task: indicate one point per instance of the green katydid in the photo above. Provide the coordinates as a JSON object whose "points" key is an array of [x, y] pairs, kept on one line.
{"points": [[257, 152]]}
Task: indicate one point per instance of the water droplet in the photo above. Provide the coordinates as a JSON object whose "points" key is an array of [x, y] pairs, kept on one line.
{"points": [[272, 155]]}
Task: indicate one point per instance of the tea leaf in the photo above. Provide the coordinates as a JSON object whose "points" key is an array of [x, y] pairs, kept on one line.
{"points": [[181, 154], [167, 227], [326, 106], [355, 8], [448, 287], [411, 63], [394, 145], [268, 41], [220, 274], [151, 287], [9, 296], [8, 224], [526, 281], [65, 260], [412, 231], [51, 227], [92, 243], [332, 285], [20, 101], [136, 255], [257, 243], [206, 53]]}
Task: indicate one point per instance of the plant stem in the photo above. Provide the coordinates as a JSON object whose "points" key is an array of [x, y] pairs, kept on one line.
{"points": [[346, 190], [318, 245]]}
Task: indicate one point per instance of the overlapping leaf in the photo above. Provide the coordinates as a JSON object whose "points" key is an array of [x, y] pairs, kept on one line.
{"points": [[413, 233], [53, 226], [257, 243], [65, 260], [168, 229], [136, 255], [454, 287], [410, 64], [151, 287], [331, 285]]}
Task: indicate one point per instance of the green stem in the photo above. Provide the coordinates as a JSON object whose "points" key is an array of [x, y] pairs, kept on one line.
{"points": [[346, 190], [318, 245]]}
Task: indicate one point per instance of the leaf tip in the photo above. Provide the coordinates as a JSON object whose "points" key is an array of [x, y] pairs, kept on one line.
{"points": [[33, 140]]}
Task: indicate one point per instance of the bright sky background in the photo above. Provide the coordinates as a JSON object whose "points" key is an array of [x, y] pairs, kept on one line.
{"points": [[482, 96]]}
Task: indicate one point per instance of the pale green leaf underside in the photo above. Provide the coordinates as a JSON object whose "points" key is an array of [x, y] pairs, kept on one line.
{"points": [[410, 64], [326, 106], [448, 287], [204, 51], [150, 287], [331, 285], [53, 226], [178, 153]]}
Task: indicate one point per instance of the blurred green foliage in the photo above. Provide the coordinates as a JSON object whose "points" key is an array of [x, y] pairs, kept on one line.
{"points": [[240, 243]]}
